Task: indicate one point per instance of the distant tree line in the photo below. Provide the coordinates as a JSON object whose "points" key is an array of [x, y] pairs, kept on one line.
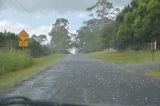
{"points": [[130, 28], [60, 40], [36, 46], [137, 24]]}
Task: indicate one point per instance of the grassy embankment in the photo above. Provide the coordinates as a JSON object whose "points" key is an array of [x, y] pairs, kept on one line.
{"points": [[18, 66], [154, 73], [130, 57]]}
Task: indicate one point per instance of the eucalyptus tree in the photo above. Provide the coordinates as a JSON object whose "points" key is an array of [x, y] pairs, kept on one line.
{"points": [[60, 38]]}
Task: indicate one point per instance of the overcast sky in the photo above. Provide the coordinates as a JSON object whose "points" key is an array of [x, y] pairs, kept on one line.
{"points": [[37, 16]]}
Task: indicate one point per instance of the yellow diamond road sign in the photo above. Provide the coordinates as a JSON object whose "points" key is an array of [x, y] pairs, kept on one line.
{"points": [[23, 43], [23, 35]]}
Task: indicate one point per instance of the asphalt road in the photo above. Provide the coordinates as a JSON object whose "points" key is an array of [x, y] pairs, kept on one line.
{"points": [[80, 79]]}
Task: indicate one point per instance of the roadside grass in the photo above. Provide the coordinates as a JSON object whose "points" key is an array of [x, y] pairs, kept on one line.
{"points": [[127, 57], [12, 60], [154, 73], [12, 78]]}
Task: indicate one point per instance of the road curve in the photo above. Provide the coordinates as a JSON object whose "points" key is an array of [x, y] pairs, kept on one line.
{"points": [[80, 79]]}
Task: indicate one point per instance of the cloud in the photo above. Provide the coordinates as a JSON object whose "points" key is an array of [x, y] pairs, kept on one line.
{"points": [[81, 15], [16, 27], [119, 3], [41, 30], [12, 26], [47, 6]]}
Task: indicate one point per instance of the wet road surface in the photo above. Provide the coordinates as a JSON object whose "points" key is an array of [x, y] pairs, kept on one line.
{"points": [[80, 79]]}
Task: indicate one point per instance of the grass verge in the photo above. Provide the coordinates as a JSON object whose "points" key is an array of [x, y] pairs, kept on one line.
{"points": [[12, 78], [128, 57], [12, 60], [154, 73]]}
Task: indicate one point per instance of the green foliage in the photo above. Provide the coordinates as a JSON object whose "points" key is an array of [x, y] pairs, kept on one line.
{"points": [[13, 60], [12, 78], [60, 40], [41, 38], [134, 27], [109, 34], [139, 23], [98, 33], [94, 37], [37, 49], [101, 10], [90, 37], [10, 41]]}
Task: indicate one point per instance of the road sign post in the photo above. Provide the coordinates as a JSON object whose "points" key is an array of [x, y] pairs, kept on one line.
{"points": [[23, 35]]}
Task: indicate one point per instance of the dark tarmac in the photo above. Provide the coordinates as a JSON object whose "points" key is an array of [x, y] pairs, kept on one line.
{"points": [[82, 80]]}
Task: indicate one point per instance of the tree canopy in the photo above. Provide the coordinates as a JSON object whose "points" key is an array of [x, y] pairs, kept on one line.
{"points": [[135, 26], [60, 36]]}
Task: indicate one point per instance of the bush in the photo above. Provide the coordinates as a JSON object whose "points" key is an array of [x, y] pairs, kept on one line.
{"points": [[12, 60]]}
